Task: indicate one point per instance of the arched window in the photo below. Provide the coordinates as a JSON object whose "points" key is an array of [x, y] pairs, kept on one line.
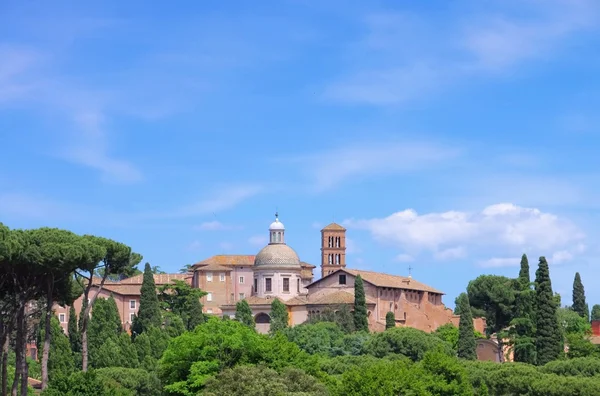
{"points": [[330, 258], [262, 318]]}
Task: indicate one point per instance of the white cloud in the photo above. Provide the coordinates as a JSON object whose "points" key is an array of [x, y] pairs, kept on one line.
{"points": [[194, 245], [215, 226], [500, 227], [223, 198], [404, 258], [258, 240], [451, 253], [402, 57], [330, 168], [498, 262]]}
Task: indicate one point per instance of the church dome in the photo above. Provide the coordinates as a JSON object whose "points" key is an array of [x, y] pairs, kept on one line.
{"points": [[277, 255], [276, 225]]}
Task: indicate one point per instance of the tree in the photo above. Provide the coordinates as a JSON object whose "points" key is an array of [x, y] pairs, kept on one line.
{"points": [[109, 257], [243, 313], [579, 304], [524, 272], [549, 340], [149, 312], [596, 312], [467, 347], [494, 296], [344, 318], [279, 316], [105, 326], [522, 332], [390, 320], [361, 322], [74, 335], [184, 301], [60, 361]]}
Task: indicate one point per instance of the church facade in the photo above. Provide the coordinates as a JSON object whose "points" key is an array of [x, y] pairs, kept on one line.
{"points": [[277, 272]]}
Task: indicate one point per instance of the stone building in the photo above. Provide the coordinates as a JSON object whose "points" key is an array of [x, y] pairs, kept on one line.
{"points": [[278, 272], [126, 293]]}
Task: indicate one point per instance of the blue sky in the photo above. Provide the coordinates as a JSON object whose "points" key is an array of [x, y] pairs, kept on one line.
{"points": [[448, 136]]}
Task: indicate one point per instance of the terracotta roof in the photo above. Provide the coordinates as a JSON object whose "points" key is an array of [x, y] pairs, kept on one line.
{"points": [[229, 259], [245, 260], [385, 280], [159, 279], [213, 267], [124, 290], [338, 297], [334, 227], [255, 300], [304, 264]]}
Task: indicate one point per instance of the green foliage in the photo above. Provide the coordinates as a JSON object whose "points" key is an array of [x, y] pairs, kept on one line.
{"points": [[317, 338], [60, 359], [279, 316], [149, 312], [466, 347], [262, 381], [361, 322], [243, 314], [579, 304], [585, 367], [595, 312], [194, 357], [74, 334], [85, 384], [495, 297], [104, 329], [549, 340], [183, 300], [138, 382], [390, 320], [570, 322], [344, 318], [522, 332], [406, 341]]}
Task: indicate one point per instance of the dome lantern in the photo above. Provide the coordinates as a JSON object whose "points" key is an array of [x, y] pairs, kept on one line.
{"points": [[276, 231]]}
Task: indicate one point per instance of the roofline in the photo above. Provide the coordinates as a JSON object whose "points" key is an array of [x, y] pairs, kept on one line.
{"points": [[371, 283]]}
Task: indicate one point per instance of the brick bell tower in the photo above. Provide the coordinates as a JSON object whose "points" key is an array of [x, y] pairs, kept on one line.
{"points": [[333, 249]]}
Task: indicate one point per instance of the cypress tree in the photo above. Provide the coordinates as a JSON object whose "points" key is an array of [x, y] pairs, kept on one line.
{"points": [[467, 347], [523, 325], [549, 342], [361, 322], [390, 320], [74, 335], [596, 312], [524, 272], [243, 314], [279, 316], [579, 304], [149, 312], [195, 317]]}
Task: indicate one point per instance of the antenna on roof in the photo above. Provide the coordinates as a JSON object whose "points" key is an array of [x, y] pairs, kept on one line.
{"points": [[410, 271]]}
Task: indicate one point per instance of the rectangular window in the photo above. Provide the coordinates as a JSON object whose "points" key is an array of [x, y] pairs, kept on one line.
{"points": [[298, 282], [232, 297], [286, 285], [241, 279], [255, 285], [209, 311], [342, 279], [267, 284], [131, 316], [132, 304], [62, 318], [208, 296], [222, 277], [242, 296], [209, 276]]}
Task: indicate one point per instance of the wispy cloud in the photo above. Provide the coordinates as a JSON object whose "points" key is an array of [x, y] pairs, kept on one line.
{"points": [[328, 169], [383, 71], [215, 226], [497, 228], [222, 198]]}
